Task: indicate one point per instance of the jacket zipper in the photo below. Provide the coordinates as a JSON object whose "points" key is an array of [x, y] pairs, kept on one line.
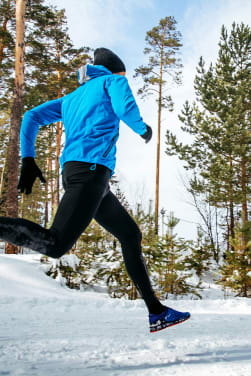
{"points": [[109, 147]]}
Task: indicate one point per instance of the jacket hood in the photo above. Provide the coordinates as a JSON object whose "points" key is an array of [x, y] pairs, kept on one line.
{"points": [[87, 72]]}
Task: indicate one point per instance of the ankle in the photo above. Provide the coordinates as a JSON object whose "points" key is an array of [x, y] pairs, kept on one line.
{"points": [[156, 308]]}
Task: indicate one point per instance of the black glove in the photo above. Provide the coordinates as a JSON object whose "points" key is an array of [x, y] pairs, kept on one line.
{"points": [[29, 172], [148, 134]]}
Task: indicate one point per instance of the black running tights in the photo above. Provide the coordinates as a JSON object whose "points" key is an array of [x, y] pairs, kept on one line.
{"points": [[87, 196]]}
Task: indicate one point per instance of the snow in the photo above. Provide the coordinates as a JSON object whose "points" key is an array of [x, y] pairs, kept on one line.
{"points": [[48, 329], [69, 260]]}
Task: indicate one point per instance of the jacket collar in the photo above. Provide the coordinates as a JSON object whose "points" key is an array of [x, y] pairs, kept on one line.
{"points": [[87, 72]]}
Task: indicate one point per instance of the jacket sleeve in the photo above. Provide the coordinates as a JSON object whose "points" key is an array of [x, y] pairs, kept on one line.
{"points": [[124, 104], [44, 114]]}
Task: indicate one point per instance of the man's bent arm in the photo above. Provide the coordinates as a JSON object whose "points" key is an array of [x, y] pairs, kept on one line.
{"points": [[46, 113]]}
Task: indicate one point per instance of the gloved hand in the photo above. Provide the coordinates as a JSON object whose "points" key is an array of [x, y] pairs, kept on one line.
{"points": [[148, 134], [29, 172]]}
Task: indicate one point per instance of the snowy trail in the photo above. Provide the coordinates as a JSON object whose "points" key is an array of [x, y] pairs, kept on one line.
{"points": [[46, 329]]}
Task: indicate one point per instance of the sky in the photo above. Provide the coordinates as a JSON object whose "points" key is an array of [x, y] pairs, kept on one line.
{"points": [[122, 26]]}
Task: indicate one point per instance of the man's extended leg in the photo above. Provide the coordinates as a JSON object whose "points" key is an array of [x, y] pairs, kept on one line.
{"points": [[84, 190], [25, 233], [113, 217]]}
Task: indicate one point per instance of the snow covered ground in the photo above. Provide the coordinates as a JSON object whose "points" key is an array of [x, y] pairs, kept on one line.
{"points": [[47, 329]]}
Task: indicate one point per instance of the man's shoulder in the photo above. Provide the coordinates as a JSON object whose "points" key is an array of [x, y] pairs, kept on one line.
{"points": [[116, 80]]}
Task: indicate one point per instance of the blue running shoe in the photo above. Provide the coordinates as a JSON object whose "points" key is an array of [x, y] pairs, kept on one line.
{"points": [[167, 318]]}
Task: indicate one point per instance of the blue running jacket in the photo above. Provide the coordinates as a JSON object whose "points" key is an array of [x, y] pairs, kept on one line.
{"points": [[90, 115]]}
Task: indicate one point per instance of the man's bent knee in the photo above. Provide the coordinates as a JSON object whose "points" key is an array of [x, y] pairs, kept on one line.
{"points": [[54, 248]]}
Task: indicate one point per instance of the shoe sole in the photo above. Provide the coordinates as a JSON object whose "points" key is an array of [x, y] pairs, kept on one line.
{"points": [[169, 325]]}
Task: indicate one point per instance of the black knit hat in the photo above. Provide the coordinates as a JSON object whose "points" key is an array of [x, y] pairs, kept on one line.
{"points": [[107, 58]]}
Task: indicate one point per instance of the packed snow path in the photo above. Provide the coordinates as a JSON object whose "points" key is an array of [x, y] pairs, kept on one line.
{"points": [[47, 329]]}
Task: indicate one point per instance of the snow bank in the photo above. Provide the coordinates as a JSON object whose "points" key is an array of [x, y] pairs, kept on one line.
{"points": [[47, 329], [23, 276]]}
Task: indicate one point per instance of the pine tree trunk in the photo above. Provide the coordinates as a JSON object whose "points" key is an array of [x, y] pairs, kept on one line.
{"points": [[16, 112], [172, 267], [216, 254], [231, 205], [52, 191], [3, 184], [59, 135], [158, 144], [244, 194], [244, 199], [50, 172]]}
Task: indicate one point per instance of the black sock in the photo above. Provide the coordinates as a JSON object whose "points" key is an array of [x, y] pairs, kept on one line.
{"points": [[156, 308]]}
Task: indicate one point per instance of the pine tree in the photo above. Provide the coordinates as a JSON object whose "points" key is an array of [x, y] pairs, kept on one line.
{"points": [[4, 139], [150, 242], [163, 44], [209, 215], [16, 111], [219, 155], [172, 266], [67, 269], [7, 43], [200, 255], [90, 249], [236, 270]]}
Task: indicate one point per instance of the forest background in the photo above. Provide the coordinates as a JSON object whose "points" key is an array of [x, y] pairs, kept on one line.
{"points": [[212, 142]]}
